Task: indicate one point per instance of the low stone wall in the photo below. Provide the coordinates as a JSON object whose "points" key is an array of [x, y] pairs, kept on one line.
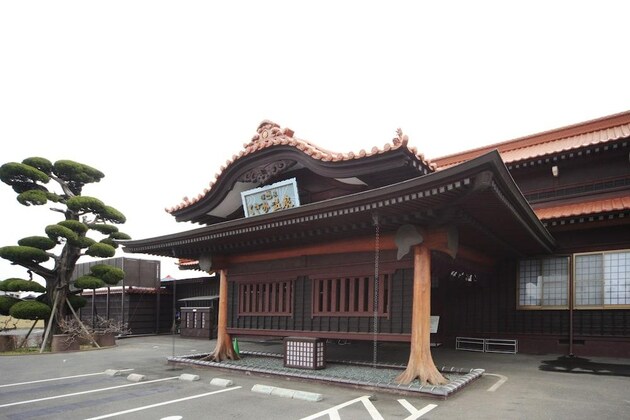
{"points": [[12, 339]]}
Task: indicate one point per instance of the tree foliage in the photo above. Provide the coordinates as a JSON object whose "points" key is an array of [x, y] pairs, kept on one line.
{"points": [[101, 275], [40, 242], [77, 302], [89, 282], [101, 250], [30, 309], [104, 228], [74, 225], [37, 182], [21, 285], [23, 255], [6, 302]]}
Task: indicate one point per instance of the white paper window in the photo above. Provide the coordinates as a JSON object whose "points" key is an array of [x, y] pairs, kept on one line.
{"points": [[602, 279], [543, 282]]}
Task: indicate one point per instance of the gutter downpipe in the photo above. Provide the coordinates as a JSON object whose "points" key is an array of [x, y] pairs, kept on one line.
{"points": [[571, 307]]}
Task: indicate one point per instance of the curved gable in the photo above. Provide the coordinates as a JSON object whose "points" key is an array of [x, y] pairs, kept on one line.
{"points": [[274, 154]]}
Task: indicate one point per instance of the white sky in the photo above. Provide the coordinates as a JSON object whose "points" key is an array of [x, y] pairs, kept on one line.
{"points": [[158, 95]]}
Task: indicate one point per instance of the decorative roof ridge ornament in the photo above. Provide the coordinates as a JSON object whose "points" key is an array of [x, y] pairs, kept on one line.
{"points": [[401, 139], [267, 130]]}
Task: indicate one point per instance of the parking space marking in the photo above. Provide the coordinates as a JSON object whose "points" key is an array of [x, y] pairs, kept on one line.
{"points": [[416, 414], [146, 407], [87, 392], [60, 378], [333, 412], [501, 381]]}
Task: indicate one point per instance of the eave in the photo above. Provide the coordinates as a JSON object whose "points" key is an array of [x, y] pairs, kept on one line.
{"points": [[478, 196]]}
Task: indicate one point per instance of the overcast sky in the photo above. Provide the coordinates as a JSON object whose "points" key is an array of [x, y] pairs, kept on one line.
{"points": [[158, 95]]}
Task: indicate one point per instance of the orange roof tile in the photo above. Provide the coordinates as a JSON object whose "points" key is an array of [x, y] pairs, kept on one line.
{"points": [[269, 134], [563, 139], [605, 205], [187, 262]]}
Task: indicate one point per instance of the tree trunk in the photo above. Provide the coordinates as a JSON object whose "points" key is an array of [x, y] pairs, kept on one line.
{"points": [[421, 364], [61, 311], [224, 349]]}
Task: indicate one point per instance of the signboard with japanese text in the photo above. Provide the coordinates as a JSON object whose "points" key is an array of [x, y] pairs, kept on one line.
{"points": [[271, 198]]}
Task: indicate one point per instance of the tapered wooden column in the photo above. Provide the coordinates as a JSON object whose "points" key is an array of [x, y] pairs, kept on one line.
{"points": [[420, 363], [224, 349]]}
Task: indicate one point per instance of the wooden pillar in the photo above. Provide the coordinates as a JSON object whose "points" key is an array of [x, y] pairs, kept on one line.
{"points": [[224, 349], [421, 363]]}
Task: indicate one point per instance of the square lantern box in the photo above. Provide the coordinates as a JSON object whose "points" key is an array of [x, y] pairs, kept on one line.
{"points": [[305, 352]]}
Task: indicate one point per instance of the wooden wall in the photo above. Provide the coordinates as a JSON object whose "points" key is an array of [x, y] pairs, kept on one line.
{"points": [[396, 325], [140, 311], [487, 308]]}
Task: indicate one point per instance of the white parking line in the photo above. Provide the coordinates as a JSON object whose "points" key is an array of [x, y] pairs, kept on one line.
{"points": [[501, 381], [60, 378], [146, 407], [333, 412], [416, 414], [86, 392]]}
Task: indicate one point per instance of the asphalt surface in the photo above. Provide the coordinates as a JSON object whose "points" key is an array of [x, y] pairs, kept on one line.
{"points": [[514, 386]]}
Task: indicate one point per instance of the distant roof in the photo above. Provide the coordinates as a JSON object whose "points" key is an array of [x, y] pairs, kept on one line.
{"points": [[584, 208], [589, 133]]}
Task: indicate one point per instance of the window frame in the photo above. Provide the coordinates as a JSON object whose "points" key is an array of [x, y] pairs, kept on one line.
{"points": [[346, 292], [542, 306], [603, 305], [271, 295]]}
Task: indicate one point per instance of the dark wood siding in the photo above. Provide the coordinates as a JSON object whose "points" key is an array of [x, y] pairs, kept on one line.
{"points": [[138, 273], [302, 319], [487, 308], [140, 311]]}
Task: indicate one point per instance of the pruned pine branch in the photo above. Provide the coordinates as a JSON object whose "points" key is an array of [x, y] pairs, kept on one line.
{"points": [[64, 185]]}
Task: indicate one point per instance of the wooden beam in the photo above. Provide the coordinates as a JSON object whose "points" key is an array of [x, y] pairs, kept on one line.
{"points": [[360, 244], [437, 242]]}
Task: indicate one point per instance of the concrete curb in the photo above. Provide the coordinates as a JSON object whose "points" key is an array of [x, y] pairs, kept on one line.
{"points": [[287, 393], [188, 377], [112, 372], [136, 377], [221, 382]]}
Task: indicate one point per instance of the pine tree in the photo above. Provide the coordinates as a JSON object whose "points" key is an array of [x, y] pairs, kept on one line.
{"points": [[64, 242]]}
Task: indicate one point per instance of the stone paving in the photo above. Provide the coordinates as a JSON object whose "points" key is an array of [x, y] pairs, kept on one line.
{"points": [[353, 373]]}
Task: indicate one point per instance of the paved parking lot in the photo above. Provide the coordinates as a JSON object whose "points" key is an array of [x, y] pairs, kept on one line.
{"points": [[74, 386]]}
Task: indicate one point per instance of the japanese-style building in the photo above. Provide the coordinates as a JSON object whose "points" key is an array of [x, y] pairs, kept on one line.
{"points": [[527, 239]]}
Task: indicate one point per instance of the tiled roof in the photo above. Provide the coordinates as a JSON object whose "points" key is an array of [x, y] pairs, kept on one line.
{"points": [[269, 134], [605, 205], [560, 140]]}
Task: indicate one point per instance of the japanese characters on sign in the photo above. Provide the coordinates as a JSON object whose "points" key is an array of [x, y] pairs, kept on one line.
{"points": [[271, 198]]}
